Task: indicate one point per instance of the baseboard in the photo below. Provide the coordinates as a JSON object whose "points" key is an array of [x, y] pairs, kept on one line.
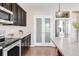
{"points": [[38, 45], [32, 45]]}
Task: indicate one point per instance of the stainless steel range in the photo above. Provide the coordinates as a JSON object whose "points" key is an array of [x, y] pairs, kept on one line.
{"points": [[2, 35]]}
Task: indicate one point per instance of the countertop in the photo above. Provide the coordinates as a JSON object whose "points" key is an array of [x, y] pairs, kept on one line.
{"points": [[7, 42], [66, 47]]}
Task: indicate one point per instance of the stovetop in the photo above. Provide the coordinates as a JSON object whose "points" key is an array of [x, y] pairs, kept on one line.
{"points": [[8, 42]]}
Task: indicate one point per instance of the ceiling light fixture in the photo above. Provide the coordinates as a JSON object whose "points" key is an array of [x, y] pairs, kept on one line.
{"points": [[59, 13]]}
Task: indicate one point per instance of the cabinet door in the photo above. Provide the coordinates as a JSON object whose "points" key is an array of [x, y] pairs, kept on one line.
{"points": [[15, 12], [7, 6], [23, 18], [19, 16], [24, 23], [28, 40]]}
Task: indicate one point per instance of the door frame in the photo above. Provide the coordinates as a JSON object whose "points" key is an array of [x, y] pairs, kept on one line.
{"points": [[34, 38]]}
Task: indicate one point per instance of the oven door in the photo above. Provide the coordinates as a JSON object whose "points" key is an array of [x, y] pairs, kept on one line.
{"points": [[0, 52]]}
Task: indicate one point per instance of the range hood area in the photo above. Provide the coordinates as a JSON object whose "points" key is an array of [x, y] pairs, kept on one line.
{"points": [[10, 14]]}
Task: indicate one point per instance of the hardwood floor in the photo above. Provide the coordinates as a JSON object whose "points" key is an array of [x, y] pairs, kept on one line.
{"points": [[41, 51]]}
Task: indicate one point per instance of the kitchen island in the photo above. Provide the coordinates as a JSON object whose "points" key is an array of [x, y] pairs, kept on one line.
{"points": [[66, 47]]}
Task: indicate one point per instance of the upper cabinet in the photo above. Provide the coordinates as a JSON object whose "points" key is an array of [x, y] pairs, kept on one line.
{"points": [[19, 16], [23, 18], [6, 5], [15, 10], [19, 13]]}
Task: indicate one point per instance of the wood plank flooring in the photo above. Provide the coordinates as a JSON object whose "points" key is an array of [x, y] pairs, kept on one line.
{"points": [[41, 51]]}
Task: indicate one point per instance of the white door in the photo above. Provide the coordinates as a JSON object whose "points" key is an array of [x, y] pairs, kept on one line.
{"points": [[42, 31]]}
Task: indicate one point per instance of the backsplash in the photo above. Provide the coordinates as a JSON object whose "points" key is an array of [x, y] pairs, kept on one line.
{"points": [[13, 30]]}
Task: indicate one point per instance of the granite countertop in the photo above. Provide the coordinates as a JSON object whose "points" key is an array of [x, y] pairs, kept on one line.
{"points": [[7, 42], [66, 47]]}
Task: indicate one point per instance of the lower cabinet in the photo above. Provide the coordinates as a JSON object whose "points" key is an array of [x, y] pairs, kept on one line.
{"points": [[25, 44]]}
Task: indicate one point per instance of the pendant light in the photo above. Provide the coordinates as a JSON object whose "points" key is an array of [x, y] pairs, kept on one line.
{"points": [[59, 13], [62, 14]]}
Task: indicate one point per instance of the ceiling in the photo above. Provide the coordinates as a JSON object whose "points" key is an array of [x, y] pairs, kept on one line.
{"points": [[37, 5], [26, 6]]}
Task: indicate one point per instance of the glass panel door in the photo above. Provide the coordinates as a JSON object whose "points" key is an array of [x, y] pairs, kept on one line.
{"points": [[38, 30], [47, 30], [42, 31]]}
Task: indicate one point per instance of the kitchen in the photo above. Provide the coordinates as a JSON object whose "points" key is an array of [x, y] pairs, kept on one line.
{"points": [[27, 25], [13, 27]]}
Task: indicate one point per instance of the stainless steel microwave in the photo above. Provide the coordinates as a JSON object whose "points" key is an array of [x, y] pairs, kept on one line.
{"points": [[6, 16]]}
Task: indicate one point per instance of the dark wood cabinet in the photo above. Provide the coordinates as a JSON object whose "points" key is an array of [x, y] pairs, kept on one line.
{"points": [[19, 16], [15, 13], [6, 5], [25, 43], [19, 13], [23, 18], [29, 40]]}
